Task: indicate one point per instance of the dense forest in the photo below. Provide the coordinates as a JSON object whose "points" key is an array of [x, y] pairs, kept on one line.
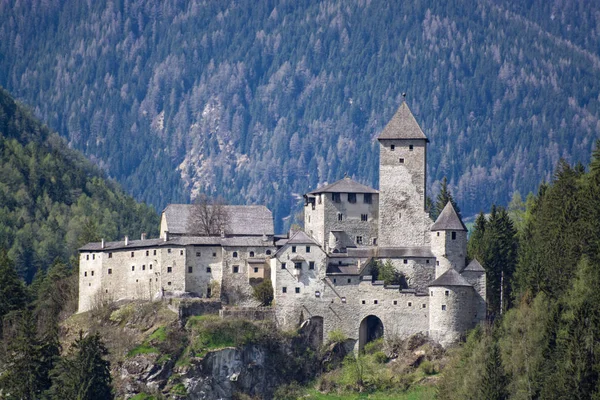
{"points": [[543, 262], [259, 101], [53, 200]]}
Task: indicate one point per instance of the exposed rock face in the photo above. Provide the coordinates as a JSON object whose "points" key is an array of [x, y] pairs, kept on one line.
{"points": [[143, 373]]}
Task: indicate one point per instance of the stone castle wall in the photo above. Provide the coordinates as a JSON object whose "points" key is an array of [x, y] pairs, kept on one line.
{"points": [[450, 253], [314, 220], [403, 220], [235, 286], [452, 313]]}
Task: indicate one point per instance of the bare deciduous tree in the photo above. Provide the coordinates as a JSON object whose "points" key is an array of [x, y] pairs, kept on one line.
{"points": [[208, 217]]}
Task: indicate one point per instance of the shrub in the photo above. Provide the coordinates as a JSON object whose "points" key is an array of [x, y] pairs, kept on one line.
{"points": [[292, 391], [428, 368], [263, 292], [337, 336]]}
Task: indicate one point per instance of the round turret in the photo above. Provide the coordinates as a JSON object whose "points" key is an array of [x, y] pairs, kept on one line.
{"points": [[451, 311], [449, 241]]}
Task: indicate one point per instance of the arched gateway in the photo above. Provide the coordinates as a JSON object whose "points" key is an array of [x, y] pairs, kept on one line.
{"points": [[371, 328]]}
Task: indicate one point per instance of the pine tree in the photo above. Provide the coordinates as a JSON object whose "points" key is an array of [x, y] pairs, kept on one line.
{"points": [[13, 295], [475, 245], [442, 199], [85, 373], [494, 381]]}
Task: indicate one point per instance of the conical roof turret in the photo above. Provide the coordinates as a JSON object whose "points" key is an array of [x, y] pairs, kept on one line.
{"points": [[448, 220], [403, 125]]}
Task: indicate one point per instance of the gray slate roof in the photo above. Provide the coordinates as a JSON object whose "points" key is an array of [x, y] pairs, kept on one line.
{"points": [[403, 125], [335, 269], [178, 241], [474, 266], [300, 237], [450, 278], [448, 220], [243, 220], [391, 252], [345, 185]]}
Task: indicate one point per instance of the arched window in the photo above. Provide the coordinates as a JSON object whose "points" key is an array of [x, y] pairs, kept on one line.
{"points": [[251, 254], [268, 252], [235, 254]]}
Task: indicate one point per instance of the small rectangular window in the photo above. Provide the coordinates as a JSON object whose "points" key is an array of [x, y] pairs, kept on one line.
{"points": [[208, 270], [133, 267], [334, 280], [375, 301], [336, 197], [169, 269], [431, 292], [308, 249], [359, 240], [214, 254], [197, 254], [284, 290], [447, 293], [298, 265], [180, 252], [168, 283], [392, 147], [374, 241], [87, 257], [283, 266], [154, 252], [349, 280], [93, 256], [150, 266], [143, 267], [351, 197], [367, 198], [424, 305], [395, 302], [340, 217], [255, 270], [169, 251], [437, 263], [85, 273], [401, 160], [364, 217], [443, 307], [110, 271], [132, 254], [405, 261], [109, 255], [426, 261], [453, 235], [410, 303], [363, 302], [293, 249], [236, 269], [147, 252], [311, 265], [190, 269], [297, 290], [410, 147]]}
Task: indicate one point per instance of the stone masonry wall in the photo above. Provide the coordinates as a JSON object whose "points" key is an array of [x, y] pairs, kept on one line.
{"points": [[452, 313], [449, 253], [403, 221], [206, 267], [314, 220], [235, 287], [419, 272], [351, 222]]}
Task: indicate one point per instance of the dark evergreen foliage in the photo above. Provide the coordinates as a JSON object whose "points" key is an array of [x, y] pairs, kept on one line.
{"points": [[443, 197]]}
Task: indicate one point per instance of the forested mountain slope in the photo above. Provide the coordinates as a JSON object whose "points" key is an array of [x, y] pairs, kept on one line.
{"points": [[260, 100], [53, 200]]}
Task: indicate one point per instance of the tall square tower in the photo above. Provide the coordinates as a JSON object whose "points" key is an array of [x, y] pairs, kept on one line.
{"points": [[403, 221]]}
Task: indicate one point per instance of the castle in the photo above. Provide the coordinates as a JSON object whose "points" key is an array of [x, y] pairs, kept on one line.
{"points": [[321, 276]]}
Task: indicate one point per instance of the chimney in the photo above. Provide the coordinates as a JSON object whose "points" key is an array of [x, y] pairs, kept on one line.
{"points": [[143, 236], [102, 243], [126, 240], [166, 236]]}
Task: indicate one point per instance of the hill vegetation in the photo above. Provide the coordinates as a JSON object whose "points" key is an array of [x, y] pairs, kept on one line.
{"points": [[259, 101], [543, 341]]}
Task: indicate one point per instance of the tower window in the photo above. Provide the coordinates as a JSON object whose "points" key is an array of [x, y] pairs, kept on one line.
{"points": [[405, 261], [110, 271], [235, 254], [427, 261], [154, 252], [340, 217], [424, 305], [147, 252], [367, 198], [284, 290], [437, 263], [268, 252], [132, 254], [401, 160], [311, 265], [236, 269], [93, 256], [410, 303], [197, 254], [169, 269], [251, 254], [351, 197], [392, 147], [180, 252], [144, 267], [453, 235], [410, 147], [335, 197], [133, 267], [297, 290], [293, 249], [208, 270], [349, 280], [374, 241], [364, 217], [375, 302], [447, 293], [87, 257], [359, 240], [308, 249], [438, 234], [283, 266], [109, 255], [443, 307], [190, 269]]}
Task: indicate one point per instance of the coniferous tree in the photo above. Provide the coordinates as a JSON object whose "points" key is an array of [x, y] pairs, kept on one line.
{"points": [[29, 360], [13, 295], [85, 373], [475, 244], [442, 199], [494, 381]]}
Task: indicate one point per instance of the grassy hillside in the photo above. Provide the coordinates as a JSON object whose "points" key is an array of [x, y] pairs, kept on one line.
{"points": [[260, 101]]}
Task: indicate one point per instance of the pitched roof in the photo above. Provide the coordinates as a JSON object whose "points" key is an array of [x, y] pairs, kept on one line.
{"points": [[300, 238], [448, 220], [243, 220], [403, 125], [336, 269], [345, 185], [391, 252], [248, 241], [450, 278], [474, 266]]}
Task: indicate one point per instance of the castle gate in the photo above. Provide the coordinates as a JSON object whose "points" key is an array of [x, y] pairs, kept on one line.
{"points": [[371, 328]]}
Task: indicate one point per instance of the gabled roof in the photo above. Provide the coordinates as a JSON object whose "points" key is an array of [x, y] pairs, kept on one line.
{"points": [[247, 241], [448, 220], [474, 266], [345, 185], [391, 252], [301, 238], [403, 125], [450, 278], [243, 220]]}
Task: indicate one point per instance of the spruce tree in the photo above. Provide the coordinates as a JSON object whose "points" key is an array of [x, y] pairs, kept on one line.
{"points": [[493, 381], [85, 373], [442, 199], [475, 244], [13, 295]]}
